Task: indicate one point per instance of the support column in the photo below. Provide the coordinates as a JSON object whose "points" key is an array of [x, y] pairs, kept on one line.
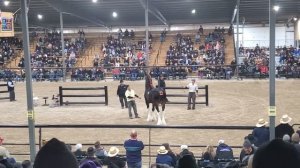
{"points": [[237, 51], [62, 45], [30, 110], [272, 107], [147, 35]]}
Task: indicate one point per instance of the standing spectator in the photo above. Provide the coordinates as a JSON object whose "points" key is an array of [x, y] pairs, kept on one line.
{"points": [[134, 149], [121, 93], [130, 95], [186, 158], [163, 158], [284, 127], [261, 133], [113, 160], [11, 89], [193, 89]]}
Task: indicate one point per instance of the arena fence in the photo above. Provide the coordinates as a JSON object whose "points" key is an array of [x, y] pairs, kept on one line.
{"points": [[3, 91], [62, 95], [205, 95]]}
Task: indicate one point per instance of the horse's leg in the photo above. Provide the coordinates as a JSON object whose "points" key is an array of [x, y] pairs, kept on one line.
{"points": [[159, 122], [153, 112], [163, 105], [149, 118]]}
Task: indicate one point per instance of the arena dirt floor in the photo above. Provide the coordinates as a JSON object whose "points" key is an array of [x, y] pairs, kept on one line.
{"points": [[239, 103]]}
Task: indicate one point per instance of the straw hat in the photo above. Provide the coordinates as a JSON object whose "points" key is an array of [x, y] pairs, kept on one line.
{"points": [[285, 119], [113, 151], [162, 150], [261, 122]]}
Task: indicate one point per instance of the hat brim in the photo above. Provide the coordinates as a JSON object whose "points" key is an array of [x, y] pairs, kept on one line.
{"points": [[285, 122], [162, 152], [113, 154], [260, 125]]}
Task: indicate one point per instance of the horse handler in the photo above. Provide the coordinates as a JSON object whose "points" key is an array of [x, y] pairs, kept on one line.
{"points": [[130, 95], [193, 89]]}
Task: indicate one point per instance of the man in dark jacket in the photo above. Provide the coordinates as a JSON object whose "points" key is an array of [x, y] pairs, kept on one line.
{"points": [[246, 152], [11, 89], [224, 152], [284, 127], [186, 158], [121, 93], [261, 133]]}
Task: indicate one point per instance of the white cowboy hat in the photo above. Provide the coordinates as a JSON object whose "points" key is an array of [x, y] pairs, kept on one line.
{"points": [[162, 150], [261, 122], [285, 119], [113, 151]]}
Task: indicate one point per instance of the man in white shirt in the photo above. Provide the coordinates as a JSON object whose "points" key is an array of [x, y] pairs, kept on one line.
{"points": [[193, 89], [130, 95]]}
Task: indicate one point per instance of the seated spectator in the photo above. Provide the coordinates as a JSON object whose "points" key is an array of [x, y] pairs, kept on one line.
{"points": [[26, 164], [246, 152], [295, 141], [186, 158], [284, 127], [99, 150], [224, 152], [91, 157], [286, 138], [163, 158], [55, 154], [79, 154], [276, 154], [170, 153], [209, 154], [261, 133], [113, 160]]}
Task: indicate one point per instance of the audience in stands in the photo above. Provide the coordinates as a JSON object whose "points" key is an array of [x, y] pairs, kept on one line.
{"points": [[247, 151], [8, 45], [79, 153]]}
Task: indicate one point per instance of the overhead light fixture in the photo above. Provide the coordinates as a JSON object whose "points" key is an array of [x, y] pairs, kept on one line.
{"points": [[6, 3], [40, 17], [193, 11], [94, 1], [276, 8], [115, 14]]}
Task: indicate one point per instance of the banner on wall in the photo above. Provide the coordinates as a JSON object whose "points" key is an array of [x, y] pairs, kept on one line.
{"points": [[7, 24]]}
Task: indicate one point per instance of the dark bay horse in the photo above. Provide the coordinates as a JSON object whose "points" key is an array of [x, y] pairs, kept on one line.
{"points": [[155, 96]]}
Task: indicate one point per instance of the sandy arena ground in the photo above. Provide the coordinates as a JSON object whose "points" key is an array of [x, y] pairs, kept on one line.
{"points": [[232, 102]]}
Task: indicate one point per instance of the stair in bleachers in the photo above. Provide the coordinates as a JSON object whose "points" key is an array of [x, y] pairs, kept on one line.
{"points": [[229, 51]]}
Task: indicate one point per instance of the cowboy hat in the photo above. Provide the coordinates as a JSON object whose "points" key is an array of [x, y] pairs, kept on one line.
{"points": [[162, 150], [261, 122], [285, 119], [113, 151]]}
